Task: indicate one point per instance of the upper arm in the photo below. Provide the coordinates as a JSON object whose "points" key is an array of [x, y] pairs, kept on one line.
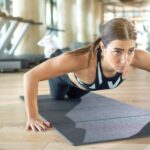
{"points": [[57, 66], [141, 60]]}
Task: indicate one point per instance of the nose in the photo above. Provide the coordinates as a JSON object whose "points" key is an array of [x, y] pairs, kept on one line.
{"points": [[124, 59]]}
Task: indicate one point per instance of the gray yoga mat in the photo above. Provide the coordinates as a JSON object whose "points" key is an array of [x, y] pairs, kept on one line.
{"points": [[94, 118]]}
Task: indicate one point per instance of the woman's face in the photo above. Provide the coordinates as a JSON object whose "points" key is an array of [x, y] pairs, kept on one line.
{"points": [[119, 54]]}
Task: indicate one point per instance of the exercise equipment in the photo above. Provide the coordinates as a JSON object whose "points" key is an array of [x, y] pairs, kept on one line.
{"points": [[94, 118], [8, 61]]}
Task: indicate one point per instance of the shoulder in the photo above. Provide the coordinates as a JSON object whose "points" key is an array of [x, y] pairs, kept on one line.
{"points": [[79, 56], [140, 55], [139, 52], [141, 59], [77, 61], [58, 65]]}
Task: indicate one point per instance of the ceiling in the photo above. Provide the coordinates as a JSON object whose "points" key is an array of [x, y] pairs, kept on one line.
{"points": [[136, 3]]}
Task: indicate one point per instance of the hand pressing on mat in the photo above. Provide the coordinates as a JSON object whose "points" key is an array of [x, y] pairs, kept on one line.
{"points": [[37, 125]]}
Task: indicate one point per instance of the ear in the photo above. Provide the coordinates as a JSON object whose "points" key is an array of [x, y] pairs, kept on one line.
{"points": [[102, 46]]}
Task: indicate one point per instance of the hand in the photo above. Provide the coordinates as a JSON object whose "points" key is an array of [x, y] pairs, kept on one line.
{"points": [[38, 125]]}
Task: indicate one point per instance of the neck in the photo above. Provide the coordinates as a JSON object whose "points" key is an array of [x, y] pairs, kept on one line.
{"points": [[106, 67]]}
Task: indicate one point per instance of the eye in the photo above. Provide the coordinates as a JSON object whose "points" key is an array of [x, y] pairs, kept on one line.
{"points": [[117, 52], [130, 52]]}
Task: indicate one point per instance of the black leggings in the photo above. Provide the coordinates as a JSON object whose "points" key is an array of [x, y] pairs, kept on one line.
{"points": [[62, 86]]}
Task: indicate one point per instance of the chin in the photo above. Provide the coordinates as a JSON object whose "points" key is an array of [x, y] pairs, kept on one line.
{"points": [[120, 69]]}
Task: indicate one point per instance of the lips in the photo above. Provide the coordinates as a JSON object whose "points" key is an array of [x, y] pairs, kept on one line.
{"points": [[121, 68]]}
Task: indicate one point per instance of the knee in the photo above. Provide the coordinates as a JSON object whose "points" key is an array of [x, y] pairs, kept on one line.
{"points": [[73, 96], [58, 97]]}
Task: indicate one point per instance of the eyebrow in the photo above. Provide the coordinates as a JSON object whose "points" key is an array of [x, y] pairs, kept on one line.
{"points": [[123, 49]]}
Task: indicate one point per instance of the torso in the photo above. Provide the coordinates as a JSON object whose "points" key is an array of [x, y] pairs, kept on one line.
{"points": [[88, 74]]}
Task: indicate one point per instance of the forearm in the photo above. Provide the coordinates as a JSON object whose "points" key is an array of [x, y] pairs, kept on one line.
{"points": [[30, 94]]}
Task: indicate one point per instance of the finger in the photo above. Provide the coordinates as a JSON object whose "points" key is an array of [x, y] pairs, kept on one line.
{"points": [[43, 126], [33, 128], [38, 128], [48, 124], [28, 127]]}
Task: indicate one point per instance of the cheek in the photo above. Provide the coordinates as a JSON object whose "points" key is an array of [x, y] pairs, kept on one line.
{"points": [[113, 60], [130, 58]]}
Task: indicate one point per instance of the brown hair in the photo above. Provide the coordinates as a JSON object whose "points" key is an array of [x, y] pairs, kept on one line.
{"points": [[115, 29]]}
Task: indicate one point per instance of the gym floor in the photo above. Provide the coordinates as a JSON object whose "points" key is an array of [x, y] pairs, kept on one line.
{"points": [[135, 91]]}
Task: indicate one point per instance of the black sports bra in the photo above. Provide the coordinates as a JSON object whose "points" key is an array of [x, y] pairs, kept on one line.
{"points": [[101, 82]]}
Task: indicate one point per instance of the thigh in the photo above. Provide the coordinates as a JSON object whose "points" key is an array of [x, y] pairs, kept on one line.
{"points": [[75, 92], [58, 88]]}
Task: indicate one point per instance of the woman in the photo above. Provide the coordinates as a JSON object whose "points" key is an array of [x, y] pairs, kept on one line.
{"points": [[104, 64]]}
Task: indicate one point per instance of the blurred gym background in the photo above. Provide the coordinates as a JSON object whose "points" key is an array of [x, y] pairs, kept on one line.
{"points": [[75, 23]]}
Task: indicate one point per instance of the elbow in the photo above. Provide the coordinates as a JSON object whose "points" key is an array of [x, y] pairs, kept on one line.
{"points": [[26, 77], [29, 76]]}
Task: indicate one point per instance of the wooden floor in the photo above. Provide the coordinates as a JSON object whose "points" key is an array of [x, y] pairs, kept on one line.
{"points": [[13, 136]]}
